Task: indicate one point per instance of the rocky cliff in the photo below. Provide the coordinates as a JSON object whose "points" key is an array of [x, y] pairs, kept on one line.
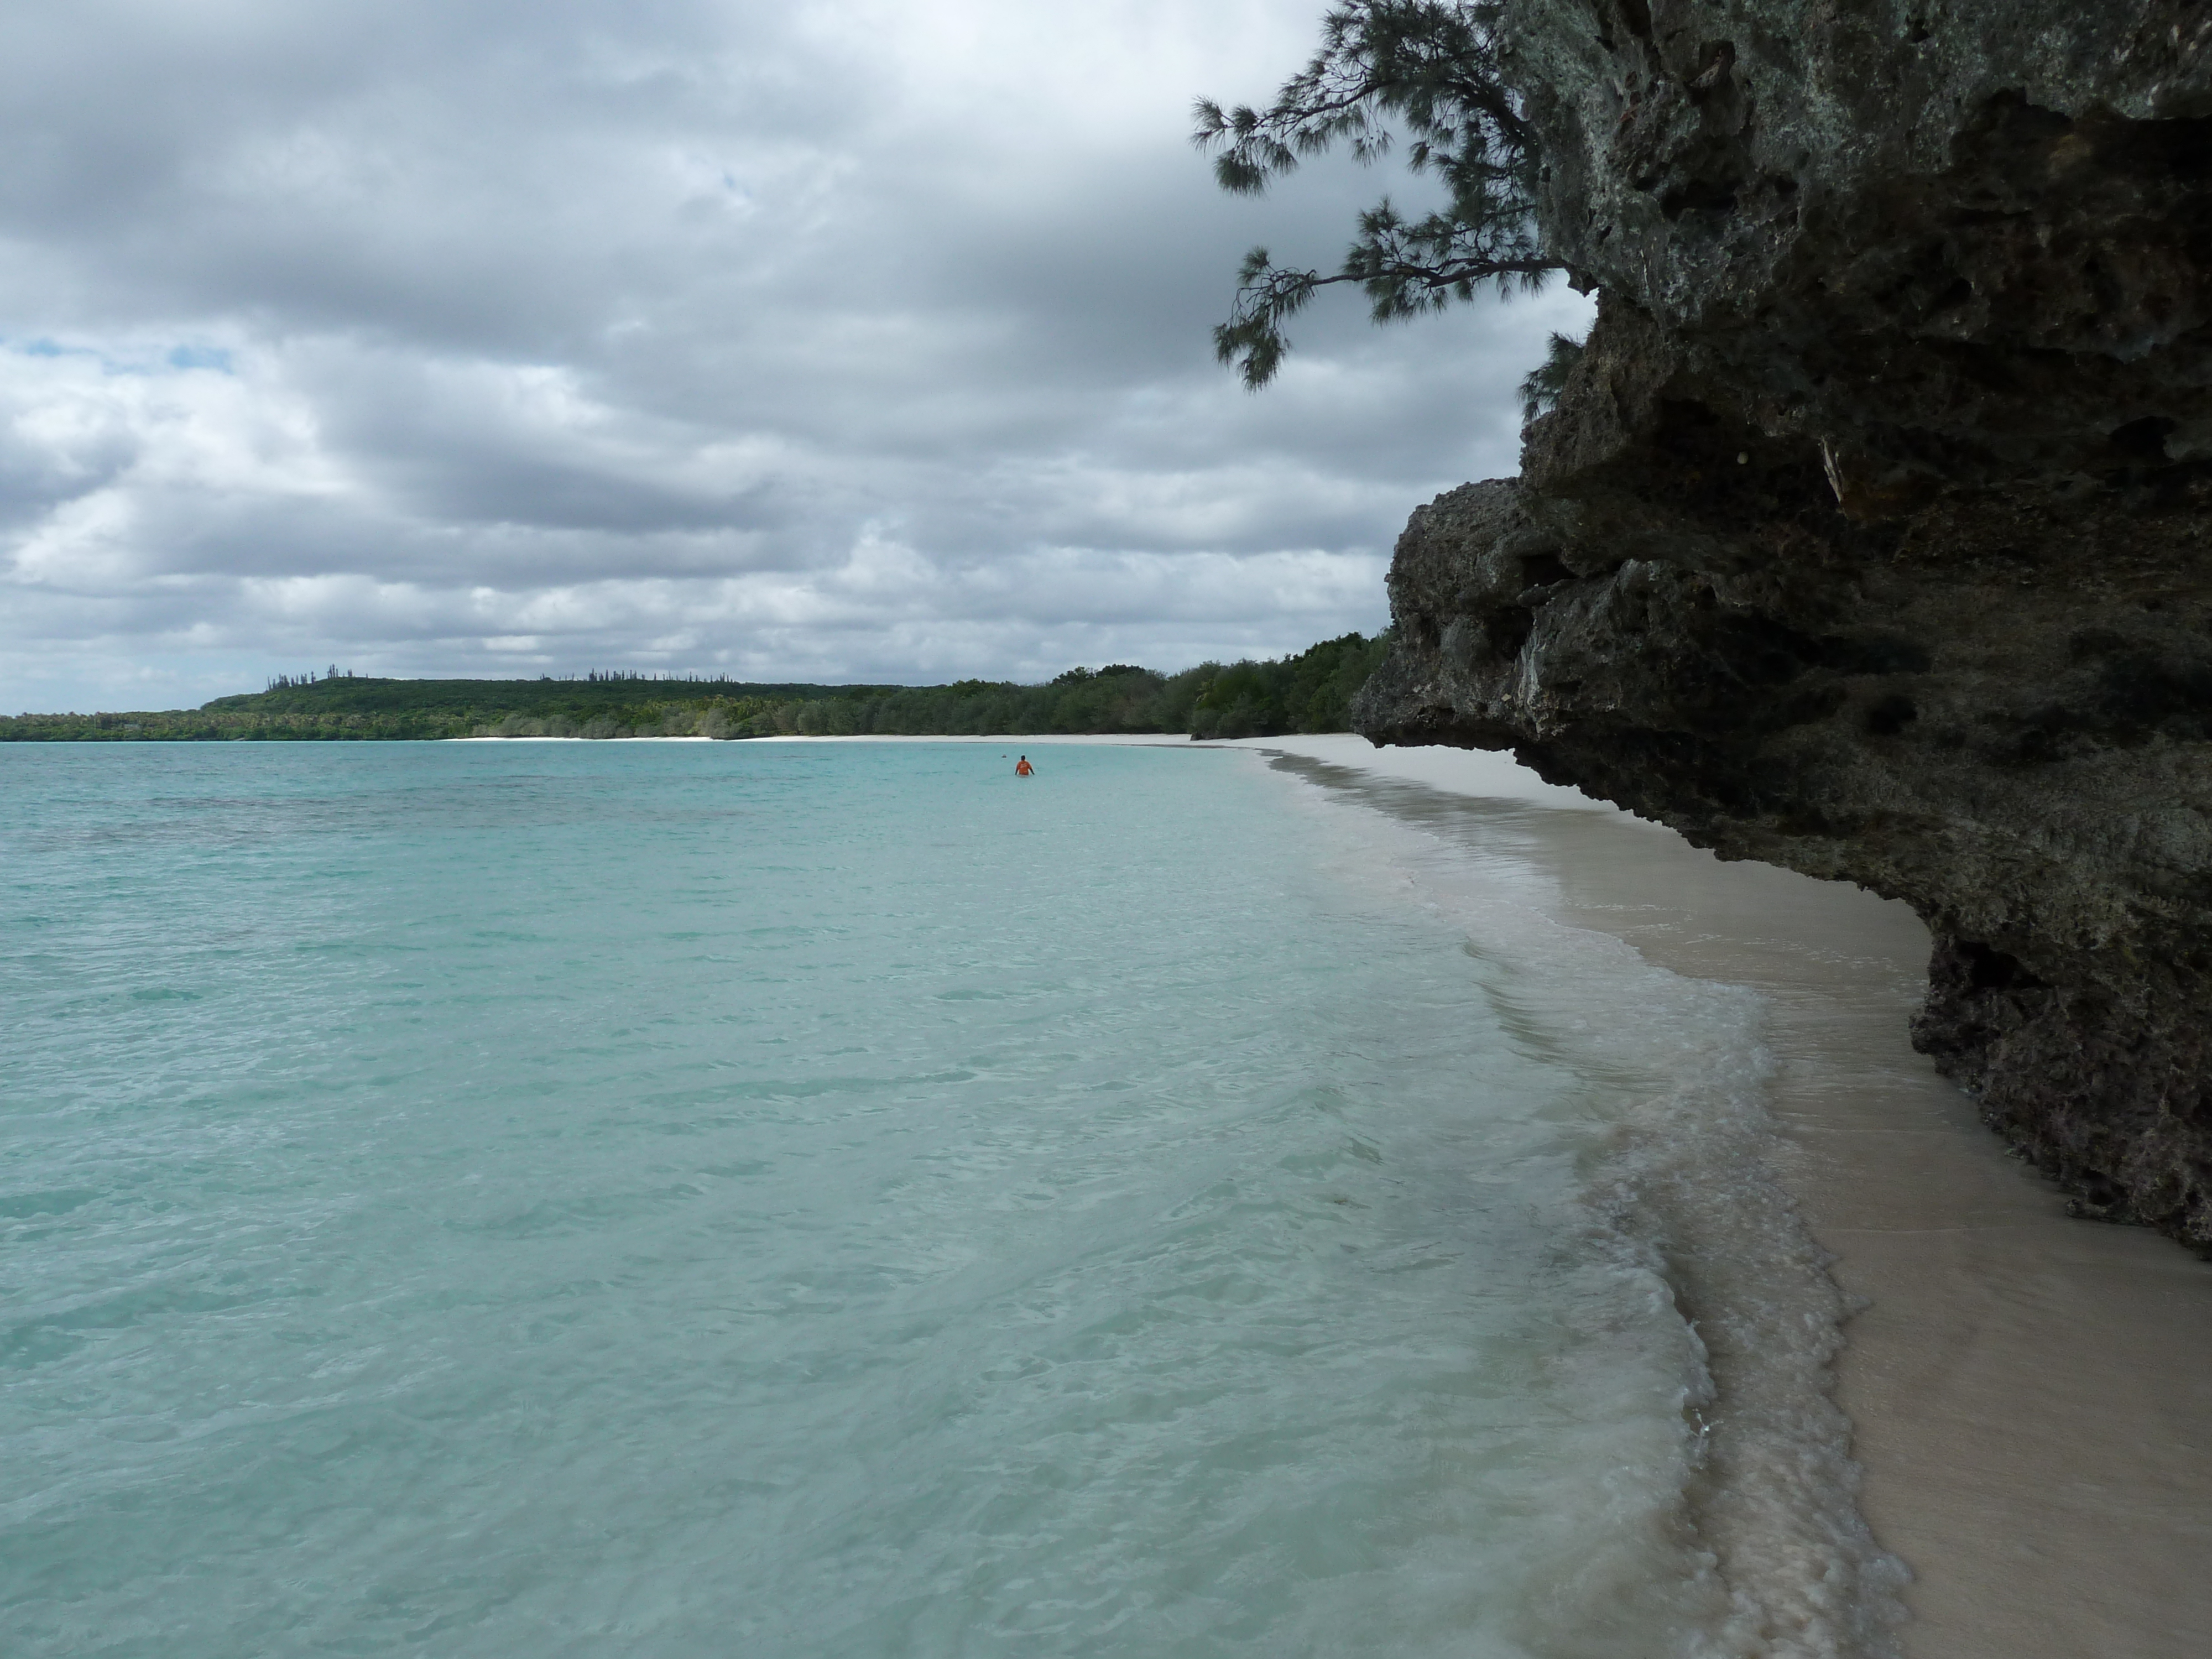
{"points": [[1868, 536]]}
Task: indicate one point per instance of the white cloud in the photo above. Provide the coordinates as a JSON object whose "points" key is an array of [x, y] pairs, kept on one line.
{"points": [[852, 340]]}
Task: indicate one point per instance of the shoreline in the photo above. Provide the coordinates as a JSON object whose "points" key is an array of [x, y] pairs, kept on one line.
{"points": [[2030, 1394]]}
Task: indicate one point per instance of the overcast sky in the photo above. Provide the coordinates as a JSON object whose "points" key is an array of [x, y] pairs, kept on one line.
{"points": [[852, 340]]}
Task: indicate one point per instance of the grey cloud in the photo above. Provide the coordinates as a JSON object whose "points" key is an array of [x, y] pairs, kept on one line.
{"points": [[855, 341]]}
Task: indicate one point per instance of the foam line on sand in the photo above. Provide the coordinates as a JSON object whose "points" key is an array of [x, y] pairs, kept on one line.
{"points": [[2031, 1394]]}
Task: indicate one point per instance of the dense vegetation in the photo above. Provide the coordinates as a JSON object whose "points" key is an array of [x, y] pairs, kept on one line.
{"points": [[1309, 692]]}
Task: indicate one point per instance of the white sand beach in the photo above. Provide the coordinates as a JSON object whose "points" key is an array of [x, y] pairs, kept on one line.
{"points": [[2031, 1394]]}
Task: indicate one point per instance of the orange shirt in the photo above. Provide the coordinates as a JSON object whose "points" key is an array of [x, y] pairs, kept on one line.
{"points": [[1022, 768]]}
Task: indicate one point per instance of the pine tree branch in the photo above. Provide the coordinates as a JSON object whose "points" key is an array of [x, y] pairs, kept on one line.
{"points": [[1429, 67]]}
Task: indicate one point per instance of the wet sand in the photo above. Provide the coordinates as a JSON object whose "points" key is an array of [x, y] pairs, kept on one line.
{"points": [[2031, 1394]]}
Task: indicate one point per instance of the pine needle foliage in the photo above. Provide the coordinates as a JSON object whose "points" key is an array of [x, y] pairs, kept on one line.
{"points": [[1541, 387], [1429, 68]]}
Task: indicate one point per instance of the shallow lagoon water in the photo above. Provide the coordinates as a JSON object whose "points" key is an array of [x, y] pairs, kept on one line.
{"points": [[794, 1200]]}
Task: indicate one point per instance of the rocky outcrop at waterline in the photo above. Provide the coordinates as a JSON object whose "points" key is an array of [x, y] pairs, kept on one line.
{"points": [[1868, 536]]}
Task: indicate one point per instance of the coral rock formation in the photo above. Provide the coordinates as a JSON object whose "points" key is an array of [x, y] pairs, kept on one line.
{"points": [[1868, 536]]}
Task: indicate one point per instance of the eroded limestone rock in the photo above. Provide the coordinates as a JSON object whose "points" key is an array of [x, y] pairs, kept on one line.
{"points": [[1868, 537]]}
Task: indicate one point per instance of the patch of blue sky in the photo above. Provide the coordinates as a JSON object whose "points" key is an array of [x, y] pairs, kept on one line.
{"points": [[181, 359], [201, 356]]}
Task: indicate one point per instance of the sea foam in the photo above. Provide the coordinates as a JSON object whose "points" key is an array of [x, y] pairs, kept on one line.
{"points": [[1682, 1183]]}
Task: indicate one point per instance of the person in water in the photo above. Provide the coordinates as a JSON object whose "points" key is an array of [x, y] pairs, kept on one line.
{"points": [[1022, 768]]}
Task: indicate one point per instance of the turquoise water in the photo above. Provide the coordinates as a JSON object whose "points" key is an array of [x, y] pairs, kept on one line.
{"points": [[806, 1200]]}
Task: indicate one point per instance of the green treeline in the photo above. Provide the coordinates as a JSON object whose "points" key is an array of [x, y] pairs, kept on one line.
{"points": [[1311, 691]]}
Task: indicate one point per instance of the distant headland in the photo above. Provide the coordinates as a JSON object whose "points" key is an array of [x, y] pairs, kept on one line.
{"points": [[1310, 692]]}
